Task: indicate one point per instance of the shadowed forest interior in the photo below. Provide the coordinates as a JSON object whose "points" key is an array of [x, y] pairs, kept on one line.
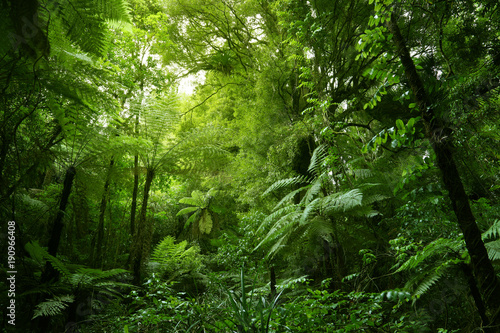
{"points": [[250, 166]]}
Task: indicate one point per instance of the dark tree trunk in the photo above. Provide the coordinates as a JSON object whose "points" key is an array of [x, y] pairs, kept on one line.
{"points": [[273, 281], [55, 236], [439, 137], [98, 240], [50, 273], [142, 236]]}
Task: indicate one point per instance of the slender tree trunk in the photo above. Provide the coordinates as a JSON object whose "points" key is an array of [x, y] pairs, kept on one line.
{"points": [[98, 239], [440, 139], [133, 208], [273, 281], [50, 273], [142, 236], [55, 236]]}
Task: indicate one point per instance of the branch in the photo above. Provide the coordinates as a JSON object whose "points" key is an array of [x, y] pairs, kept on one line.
{"points": [[206, 99]]}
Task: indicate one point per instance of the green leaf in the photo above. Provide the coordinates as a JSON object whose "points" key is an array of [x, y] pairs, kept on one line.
{"points": [[187, 210], [400, 125]]}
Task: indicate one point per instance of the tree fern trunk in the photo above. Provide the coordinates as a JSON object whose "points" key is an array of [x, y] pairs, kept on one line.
{"points": [[441, 142], [142, 237], [98, 240], [55, 237], [133, 208]]}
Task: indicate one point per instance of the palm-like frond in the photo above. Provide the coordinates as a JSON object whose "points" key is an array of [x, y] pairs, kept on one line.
{"points": [[493, 249], [297, 180], [342, 202], [492, 232], [85, 22], [439, 247], [314, 214], [53, 306], [317, 160]]}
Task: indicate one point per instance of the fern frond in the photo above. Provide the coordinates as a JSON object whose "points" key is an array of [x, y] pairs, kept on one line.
{"points": [[53, 306], [310, 208], [298, 180], [85, 22], [492, 232], [317, 160], [271, 218], [362, 173], [493, 249], [428, 282], [438, 247], [342, 202], [313, 190], [288, 198]]}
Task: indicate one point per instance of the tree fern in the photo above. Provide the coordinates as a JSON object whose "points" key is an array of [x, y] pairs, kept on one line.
{"points": [[85, 22], [314, 214]]}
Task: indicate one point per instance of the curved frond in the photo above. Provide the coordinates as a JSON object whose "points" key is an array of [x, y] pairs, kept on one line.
{"points": [[53, 306], [317, 159], [342, 202], [492, 232], [438, 247], [287, 182], [187, 210], [493, 249], [290, 196]]}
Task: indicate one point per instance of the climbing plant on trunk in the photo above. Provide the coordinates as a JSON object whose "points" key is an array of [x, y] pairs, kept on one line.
{"points": [[387, 34]]}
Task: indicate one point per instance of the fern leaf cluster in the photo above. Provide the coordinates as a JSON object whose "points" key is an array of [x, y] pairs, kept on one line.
{"points": [[317, 210], [169, 258], [53, 307]]}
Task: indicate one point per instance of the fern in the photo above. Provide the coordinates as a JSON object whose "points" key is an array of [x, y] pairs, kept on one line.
{"points": [[317, 160], [493, 249], [85, 22], [342, 202], [169, 258], [492, 232], [40, 254], [53, 306], [313, 216], [287, 182], [439, 247]]}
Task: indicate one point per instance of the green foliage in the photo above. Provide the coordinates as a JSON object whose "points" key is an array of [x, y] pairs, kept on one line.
{"points": [[315, 213], [54, 306], [173, 260], [203, 208], [249, 312], [76, 283]]}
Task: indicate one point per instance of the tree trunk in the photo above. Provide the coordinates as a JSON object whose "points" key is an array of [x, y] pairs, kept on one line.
{"points": [[98, 240], [273, 281], [441, 142], [50, 273], [142, 236], [133, 208], [55, 236]]}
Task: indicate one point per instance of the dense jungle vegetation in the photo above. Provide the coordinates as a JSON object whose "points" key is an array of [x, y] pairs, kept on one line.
{"points": [[250, 166]]}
